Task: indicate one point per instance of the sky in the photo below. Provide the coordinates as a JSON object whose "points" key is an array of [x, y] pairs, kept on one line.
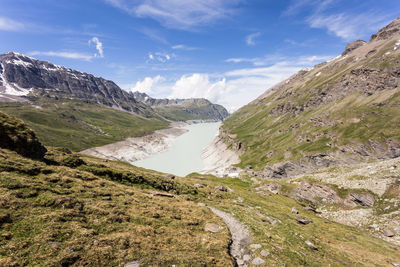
{"points": [[228, 51]]}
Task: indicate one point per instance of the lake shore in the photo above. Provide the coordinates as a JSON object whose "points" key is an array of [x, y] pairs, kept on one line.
{"points": [[138, 148]]}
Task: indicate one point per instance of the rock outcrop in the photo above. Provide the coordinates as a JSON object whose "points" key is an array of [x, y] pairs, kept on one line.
{"points": [[16, 136]]}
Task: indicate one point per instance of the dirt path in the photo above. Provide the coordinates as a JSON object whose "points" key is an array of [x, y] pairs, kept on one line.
{"points": [[240, 235]]}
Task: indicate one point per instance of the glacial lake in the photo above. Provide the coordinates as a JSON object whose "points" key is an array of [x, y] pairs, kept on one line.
{"points": [[184, 157]]}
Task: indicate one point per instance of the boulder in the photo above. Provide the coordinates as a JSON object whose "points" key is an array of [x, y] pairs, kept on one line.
{"points": [[388, 233], [315, 194], [303, 220], [311, 245], [212, 227], [363, 199], [257, 261]]}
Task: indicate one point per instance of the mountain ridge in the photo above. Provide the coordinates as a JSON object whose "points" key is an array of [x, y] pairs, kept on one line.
{"points": [[197, 107], [337, 112]]}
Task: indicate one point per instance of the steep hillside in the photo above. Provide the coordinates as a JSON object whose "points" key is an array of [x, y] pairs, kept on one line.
{"points": [[184, 109], [79, 125], [342, 111], [74, 210]]}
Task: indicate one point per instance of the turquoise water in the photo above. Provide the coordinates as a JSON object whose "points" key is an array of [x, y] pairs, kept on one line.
{"points": [[184, 157]]}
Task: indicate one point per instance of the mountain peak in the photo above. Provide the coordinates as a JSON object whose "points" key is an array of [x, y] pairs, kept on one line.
{"points": [[388, 31], [352, 46]]}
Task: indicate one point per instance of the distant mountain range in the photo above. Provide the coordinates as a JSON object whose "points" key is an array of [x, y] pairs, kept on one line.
{"points": [[174, 109], [21, 75]]}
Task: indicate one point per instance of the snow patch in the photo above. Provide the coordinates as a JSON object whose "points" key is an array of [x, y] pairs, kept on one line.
{"points": [[12, 89], [318, 74], [19, 62]]}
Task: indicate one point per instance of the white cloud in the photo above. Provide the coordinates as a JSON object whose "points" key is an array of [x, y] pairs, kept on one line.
{"points": [[349, 26], [177, 14], [231, 89], [71, 55], [99, 46], [7, 24], [198, 86], [160, 57], [147, 84], [250, 39], [272, 59], [184, 47]]}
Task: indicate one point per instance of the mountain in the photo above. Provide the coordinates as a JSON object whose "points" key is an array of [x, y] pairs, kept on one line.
{"points": [[77, 110], [69, 209], [339, 112], [69, 108], [184, 109], [20, 75]]}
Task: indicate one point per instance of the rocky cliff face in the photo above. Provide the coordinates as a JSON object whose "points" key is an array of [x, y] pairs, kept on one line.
{"points": [[21, 75], [341, 111], [197, 108]]}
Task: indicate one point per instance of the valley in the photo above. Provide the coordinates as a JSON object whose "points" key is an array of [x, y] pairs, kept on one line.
{"points": [[307, 174]]}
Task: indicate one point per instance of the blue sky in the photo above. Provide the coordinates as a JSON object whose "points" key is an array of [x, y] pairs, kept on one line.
{"points": [[229, 51]]}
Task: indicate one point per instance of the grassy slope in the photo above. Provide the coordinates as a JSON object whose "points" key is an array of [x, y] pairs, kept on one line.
{"points": [[77, 125], [357, 118], [52, 215], [86, 211], [60, 214]]}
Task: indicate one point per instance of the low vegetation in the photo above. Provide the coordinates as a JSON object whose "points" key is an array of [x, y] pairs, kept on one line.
{"points": [[78, 125]]}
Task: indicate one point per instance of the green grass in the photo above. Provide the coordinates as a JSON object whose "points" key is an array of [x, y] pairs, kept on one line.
{"points": [[353, 119], [77, 125]]}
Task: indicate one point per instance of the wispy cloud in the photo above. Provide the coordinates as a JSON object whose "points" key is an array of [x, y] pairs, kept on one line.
{"points": [[73, 54], [154, 34], [250, 39], [99, 46], [183, 15], [349, 25], [184, 47], [7, 24], [274, 58], [159, 57], [63, 54]]}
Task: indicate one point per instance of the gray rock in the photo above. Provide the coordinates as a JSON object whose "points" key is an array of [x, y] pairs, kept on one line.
{"points": [[133, 264], [162, 194], [106, 198], [258, 261], [255, 246], [388, 233], [311, 245], [199, 186], [221, 188], [396, 264], [313, 193], [246, 257], [363, 199], [303, 220], [264, 253], [212, 227]]}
